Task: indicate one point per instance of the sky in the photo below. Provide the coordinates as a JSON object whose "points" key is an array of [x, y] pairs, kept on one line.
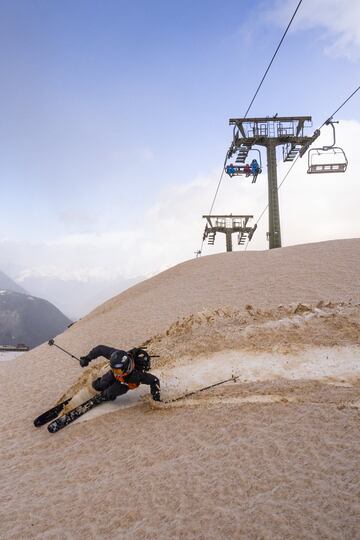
{"points": [[114, 128]]}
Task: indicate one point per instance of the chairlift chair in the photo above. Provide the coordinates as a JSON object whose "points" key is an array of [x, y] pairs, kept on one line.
{"points": [[327, 159], [239, 170], [331, 160]]}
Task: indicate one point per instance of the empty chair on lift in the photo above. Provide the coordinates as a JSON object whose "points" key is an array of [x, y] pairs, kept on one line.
{"points": [[326, 160]]}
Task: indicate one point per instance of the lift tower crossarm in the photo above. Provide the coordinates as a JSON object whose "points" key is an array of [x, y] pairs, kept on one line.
{"points": [[236, 121], [260, 140], [224, 216], [228, 224]]}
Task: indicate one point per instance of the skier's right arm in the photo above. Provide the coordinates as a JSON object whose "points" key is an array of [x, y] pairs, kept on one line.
{"points": [[99, 350]]}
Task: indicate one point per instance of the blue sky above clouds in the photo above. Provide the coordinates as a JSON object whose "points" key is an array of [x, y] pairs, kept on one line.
{"points": [[114, 126]]}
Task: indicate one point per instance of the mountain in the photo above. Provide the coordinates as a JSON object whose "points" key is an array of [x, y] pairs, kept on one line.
{"points": [[27, 319], [73, 297], [10, 285]]}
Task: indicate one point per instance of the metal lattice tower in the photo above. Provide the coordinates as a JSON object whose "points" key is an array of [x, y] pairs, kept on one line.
{"points": [[228, 225], [271, 132]]}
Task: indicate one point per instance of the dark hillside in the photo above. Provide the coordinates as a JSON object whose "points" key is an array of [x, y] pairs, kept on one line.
{"points": [[27, 319]]}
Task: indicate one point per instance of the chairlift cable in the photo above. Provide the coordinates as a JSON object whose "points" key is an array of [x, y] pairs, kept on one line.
{"points": [[216, 192], [273, 58], [329, 117], [341, 106]]}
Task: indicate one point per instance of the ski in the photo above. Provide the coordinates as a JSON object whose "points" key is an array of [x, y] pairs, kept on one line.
{"points": [[72, 415], [49, 415]]}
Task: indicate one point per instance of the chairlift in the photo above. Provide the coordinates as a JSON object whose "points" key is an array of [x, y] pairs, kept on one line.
{"points": [[328, 159], [247, 169]]}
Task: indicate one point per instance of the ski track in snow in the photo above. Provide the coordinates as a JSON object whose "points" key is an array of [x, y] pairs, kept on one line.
{"points": [[337, 366], [200, 364]]}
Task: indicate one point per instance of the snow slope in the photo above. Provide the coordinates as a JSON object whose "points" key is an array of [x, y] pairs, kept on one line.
{"points": [[274, 455]]}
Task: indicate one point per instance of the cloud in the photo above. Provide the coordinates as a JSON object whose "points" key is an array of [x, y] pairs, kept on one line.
{"points": [[77, 218], [338, 19]]}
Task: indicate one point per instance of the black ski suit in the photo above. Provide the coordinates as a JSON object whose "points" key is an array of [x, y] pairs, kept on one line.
{"points": [[111, 387]]}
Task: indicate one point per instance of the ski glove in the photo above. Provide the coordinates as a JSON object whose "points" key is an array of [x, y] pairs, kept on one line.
{"points": [[155, 394], [155, 389], [108, 396], [84, 361]]}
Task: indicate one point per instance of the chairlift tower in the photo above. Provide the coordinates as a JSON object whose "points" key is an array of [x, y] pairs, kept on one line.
{"points": [[272, 132], [228, 225]]}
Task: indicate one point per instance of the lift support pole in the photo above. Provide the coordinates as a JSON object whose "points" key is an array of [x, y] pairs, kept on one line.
{"points": [[274, 213], [271, 132]]}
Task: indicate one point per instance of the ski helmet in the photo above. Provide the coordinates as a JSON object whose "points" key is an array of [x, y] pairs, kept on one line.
{"points": [[122, 362]]}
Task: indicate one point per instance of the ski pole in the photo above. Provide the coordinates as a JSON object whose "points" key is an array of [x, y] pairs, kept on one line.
{"points": [[233, 378], [52, 342]]}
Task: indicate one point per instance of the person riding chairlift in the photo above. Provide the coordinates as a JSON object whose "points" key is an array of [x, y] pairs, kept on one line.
{"points": [[230, 169], [255, 167], [247, 169]]}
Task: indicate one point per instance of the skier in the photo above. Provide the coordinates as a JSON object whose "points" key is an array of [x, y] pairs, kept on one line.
{"points": [[128, 371]]}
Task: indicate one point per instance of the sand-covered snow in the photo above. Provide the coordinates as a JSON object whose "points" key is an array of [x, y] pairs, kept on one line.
{"points": [[271, 454]]}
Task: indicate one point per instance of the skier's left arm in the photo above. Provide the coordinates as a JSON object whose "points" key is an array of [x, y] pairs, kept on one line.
{"points": [[153, 382], [99, 350]]}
